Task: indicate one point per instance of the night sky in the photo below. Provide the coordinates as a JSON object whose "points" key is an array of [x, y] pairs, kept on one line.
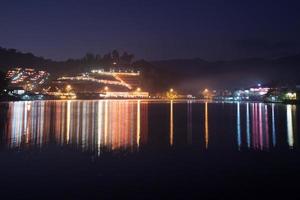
{"points": [[152, 29]]}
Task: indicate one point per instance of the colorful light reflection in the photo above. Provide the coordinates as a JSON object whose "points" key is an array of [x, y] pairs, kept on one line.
{"points": [[88, 125]]}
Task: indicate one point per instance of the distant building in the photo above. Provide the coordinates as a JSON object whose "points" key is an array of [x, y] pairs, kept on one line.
{"points": [[133, 94], [15, 91]]}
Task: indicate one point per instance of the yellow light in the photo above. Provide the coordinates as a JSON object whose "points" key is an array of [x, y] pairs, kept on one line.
{"points": [[68, 88], [171, 90], [138, 89], [205, 90], [106, 88], [291, 95]]}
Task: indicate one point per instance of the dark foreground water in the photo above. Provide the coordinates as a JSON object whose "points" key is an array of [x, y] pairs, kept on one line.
{"points": [[148, 150]]}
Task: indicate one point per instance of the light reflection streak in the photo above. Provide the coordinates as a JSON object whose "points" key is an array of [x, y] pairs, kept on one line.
{"points": [[273, 127], [266, 126], [253, 125], [41, 125], [171, 123], [206, 125], [81, 124], [290, 132], [260, 126], [99, 125], [248, 126], [238, 124], [112, 124], [105, 122], [68, 120], [138, 123], [189, 122], [62, 127]]}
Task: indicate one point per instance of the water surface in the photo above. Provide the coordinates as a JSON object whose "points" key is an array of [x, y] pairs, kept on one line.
{"points": [[141, 149], [112, 125]]}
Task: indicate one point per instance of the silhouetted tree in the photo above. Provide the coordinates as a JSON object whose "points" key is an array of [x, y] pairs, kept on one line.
{"points": [[107, 59], [115, 56], [89, 58], [98, 58], [3, 81], [127, 58]]}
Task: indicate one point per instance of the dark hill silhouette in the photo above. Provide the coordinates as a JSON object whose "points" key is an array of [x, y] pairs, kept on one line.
{"points": [[12, 58], [182, 74], [195, 74]]}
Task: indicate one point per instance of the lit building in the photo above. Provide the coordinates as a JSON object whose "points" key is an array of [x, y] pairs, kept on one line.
{"points": [[134, 94], [253, 93]]}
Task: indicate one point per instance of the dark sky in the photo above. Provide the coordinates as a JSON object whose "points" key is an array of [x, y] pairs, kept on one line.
{"points": [[152, 29]]}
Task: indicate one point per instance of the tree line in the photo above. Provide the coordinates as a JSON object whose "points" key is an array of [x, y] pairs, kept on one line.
{"points": [[13, 58]]}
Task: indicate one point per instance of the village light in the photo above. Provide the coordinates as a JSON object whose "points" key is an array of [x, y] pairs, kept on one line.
{"points": [[69, 88]]}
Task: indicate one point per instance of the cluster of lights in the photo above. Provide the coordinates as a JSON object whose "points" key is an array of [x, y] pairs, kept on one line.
{"points": [[116, 72], [261, 91], [68, 94], [117, 75], [291, 95], [13, 72], [138, 93], [27, 77], [171, 94], [87, 78]]}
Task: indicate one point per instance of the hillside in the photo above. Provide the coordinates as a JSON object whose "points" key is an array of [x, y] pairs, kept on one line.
{"points": [[183, 74]]}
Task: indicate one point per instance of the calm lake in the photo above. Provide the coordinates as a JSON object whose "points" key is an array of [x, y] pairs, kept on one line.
{"points": [[129, 148]]}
